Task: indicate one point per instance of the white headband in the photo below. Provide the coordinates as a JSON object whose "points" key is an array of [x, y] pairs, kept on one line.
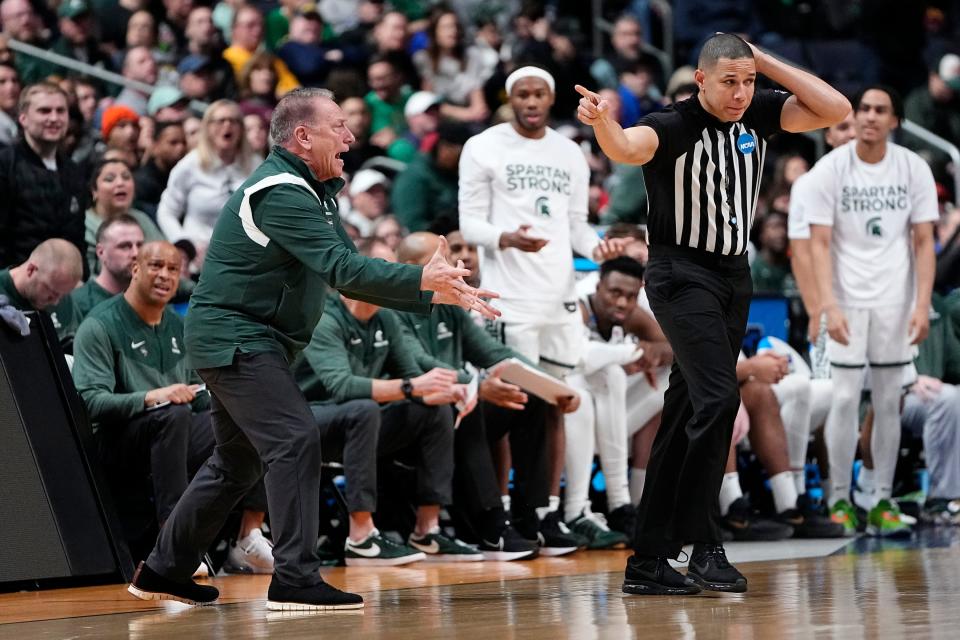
{"points": [[529, 72]]}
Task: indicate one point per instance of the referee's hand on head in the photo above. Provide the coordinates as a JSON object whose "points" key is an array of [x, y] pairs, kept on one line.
{"points": [[593, 109]]}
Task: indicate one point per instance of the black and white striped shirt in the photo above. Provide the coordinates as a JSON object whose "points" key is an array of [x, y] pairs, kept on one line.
{"points": [[704, 180]]}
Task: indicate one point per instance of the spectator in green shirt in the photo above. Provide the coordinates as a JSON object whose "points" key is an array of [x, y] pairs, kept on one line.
{"points": [[44, 283], [150, 414], [118, 241], [387, 98], [428, 186], [771, 268]]}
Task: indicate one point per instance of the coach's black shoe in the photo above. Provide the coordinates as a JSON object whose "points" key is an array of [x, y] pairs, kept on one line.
{"points": [[646, 576], [149, 585], [710, 569], [318, 597], [746, 525]]}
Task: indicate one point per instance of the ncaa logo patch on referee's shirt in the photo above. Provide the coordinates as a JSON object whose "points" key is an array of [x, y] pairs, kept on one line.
{"points": [[746, 143]]}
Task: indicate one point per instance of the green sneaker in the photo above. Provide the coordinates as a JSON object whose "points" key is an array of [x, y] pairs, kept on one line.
{"points": [[441, 548], [885, 520], [379, 551], [842, 513], [593, 527]]}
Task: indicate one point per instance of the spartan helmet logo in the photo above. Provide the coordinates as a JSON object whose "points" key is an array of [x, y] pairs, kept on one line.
{"points": [[874, 228], [542, 206]]}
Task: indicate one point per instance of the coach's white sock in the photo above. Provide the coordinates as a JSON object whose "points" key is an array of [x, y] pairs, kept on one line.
{"points": [[784, 491], [799, 480], [729, 491], [637, 478]]}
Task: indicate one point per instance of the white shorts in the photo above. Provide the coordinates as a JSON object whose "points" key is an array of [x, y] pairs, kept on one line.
{"points": [[555, 344], [878, 337], [643, 401]]}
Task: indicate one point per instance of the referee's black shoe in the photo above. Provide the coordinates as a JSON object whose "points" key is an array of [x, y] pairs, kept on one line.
{"points": [[710, 569], [318, 597], [147, 584], [646, 576]]}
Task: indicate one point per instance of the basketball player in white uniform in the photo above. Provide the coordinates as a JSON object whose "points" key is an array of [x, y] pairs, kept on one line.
{"points": [[872, 208]]}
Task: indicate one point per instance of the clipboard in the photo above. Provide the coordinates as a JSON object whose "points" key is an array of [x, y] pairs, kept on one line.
{"points": [[531, 380]]}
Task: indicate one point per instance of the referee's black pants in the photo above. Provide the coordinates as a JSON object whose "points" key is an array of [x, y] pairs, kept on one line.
{"points": [[701, 302]]}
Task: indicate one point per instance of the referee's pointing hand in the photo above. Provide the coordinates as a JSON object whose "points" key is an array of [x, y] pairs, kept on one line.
{"points": [[592, 107], [447, 283]]}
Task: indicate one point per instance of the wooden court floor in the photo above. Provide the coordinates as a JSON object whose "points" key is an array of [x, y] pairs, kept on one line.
{"points": [[896, 593]]}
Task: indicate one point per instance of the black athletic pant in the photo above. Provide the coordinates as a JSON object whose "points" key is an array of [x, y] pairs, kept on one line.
{"points": [[701, 302], [358, 432]]}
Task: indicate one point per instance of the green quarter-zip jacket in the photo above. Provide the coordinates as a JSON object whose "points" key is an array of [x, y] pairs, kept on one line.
{"points": [[449, 338], [276, 248], [118, 358], [86, 297], [346, 355], [63, 315]]}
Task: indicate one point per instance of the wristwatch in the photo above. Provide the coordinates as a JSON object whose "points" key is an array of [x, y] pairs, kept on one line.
{"points": [[407, 387]]}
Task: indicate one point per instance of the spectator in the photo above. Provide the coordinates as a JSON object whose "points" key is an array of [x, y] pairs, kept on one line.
{"points": [[88, 97], [358, 353], [389, 40], [43, 282], [358, 121], [389, 232], [369, 197], [20, 22], [113, 20], [168, 104], [192, 126], [247, 39], [935, 106], [452, 70], [304, 52], [256, 129], [638, 94], [386, 100], [111, 184], [461, 250], [931, 409], [788, 168], [771, 268], [150, 416], [429, 183], [9, 96], [173, 26], [277, 23], [203, 39], [258, 83], [118, 242], [44, 191], [120, 131], [201, 182], [628, 46], [422, 112], [488, 42], [76, 39], [140, 66], [169, 147]]}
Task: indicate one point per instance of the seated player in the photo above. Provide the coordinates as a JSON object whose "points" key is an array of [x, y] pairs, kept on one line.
{"points": [[450, 339], [150, 415], [44, 282], [622, 390], [354, 346], [118, 241]]}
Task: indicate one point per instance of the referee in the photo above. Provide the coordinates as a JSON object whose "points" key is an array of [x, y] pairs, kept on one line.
{"points": [[702, 160]]}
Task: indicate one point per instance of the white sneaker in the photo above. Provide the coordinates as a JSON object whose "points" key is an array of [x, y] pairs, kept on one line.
{"points": [[253, 554]]}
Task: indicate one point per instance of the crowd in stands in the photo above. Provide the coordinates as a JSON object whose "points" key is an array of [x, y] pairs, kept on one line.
{"points": [[111, 195]]}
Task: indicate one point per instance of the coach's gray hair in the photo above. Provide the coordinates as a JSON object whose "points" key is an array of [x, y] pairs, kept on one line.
{"points": [[294, 109]]}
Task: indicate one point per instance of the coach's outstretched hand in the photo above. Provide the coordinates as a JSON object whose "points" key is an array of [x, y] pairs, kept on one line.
{"points": [[449, 287]]}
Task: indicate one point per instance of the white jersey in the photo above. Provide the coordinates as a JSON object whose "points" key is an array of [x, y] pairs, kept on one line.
{"points": [[798, 223], [507, 180], [871, 208]]}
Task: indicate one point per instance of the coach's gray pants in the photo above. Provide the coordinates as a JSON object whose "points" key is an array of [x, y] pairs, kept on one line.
{"points": [[260, 419], [938, 420]]}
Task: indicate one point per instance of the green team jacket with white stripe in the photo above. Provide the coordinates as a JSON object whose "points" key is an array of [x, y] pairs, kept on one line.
{"points": [[275, 249]]}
